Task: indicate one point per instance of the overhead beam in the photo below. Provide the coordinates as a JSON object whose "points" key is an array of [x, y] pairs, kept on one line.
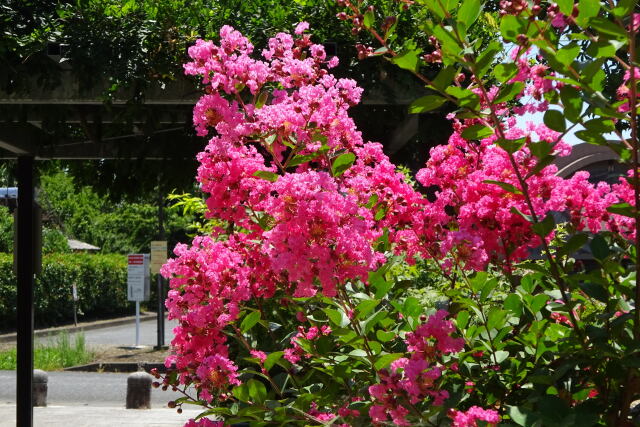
{"points": [[20, 139]]}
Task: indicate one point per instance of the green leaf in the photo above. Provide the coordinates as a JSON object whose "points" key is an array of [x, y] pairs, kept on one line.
{"points": [[300, 159], [554, 120], [568, 54], [624, 209], [623, 8], [544, 227], [513, 303], [595, 290], [574, 243], [511, 26], [380, 285], [487, 58], [489, 286], [606, 27], [241, 392], [462, 319], [257, 391], [365, 307], [522, 416], [262, 99], [358, 353], [511, 145], [600, 125], [505, 72], [342, 163], [517, 211], [469, 12], [411, 307], [465, 97], [599, 247], [510, 188], [477, 131], [386, 360], [385, 336], [426, 103], [500, 356], [408, 59], [336, 317], [269, 176], [537, 302], [496, 318], [444, 78], [368, 19], [249, 321], [508, 92], [572, 103], [272, 359], [601, 49], [587, 10], [566, 6]]}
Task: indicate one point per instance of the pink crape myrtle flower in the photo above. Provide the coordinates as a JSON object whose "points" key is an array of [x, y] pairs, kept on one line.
{"points": [[204, 422], [415, 377], [474, 414]]}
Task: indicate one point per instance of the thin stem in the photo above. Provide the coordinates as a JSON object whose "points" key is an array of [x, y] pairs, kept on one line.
{"points": [[633, 101]]}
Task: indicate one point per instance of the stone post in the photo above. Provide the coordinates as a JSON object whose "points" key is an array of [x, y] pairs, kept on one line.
{"points": [[139, 390], [40, 387]]}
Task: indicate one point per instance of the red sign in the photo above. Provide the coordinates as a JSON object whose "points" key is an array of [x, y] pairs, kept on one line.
{"points": [[136, 259]]}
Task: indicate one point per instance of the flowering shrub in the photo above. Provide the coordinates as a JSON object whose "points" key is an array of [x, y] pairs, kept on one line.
{"points": [[294, 309]]}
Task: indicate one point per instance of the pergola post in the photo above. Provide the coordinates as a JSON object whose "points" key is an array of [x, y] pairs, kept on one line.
{"points": [[25, 269]]}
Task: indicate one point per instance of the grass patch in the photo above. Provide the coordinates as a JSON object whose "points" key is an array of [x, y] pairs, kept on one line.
{"points": [[53, 356]]}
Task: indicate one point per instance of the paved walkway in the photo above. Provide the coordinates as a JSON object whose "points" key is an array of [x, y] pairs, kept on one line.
{"points": [[98, 416]]}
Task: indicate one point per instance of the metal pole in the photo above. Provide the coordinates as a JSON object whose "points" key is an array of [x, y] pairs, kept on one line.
{"points": [[25, 276], [160, 288], [137, 323]]}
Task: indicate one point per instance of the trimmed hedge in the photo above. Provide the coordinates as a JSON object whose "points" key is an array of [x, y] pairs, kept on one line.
{"points": [[101, 282]]}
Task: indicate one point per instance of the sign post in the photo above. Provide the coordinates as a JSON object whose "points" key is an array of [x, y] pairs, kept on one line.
{"points": [[138, 284], [158, 258], [74, 295]]}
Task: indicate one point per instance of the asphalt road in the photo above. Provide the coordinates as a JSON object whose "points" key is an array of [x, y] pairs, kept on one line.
{"points": [[123, 335], [84, 389]]}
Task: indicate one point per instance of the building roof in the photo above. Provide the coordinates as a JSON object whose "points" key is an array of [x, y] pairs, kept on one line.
{"points": [[77, 245]]}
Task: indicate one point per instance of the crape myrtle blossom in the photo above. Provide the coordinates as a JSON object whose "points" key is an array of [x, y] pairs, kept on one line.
{"points": [[295, 226], [306, 231], [415, 378]]}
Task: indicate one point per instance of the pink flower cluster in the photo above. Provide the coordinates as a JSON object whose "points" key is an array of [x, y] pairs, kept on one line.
{"points": [[204, 422], [415, 378], [479, 198], [474, 414], [295, 353], [293, 227]]}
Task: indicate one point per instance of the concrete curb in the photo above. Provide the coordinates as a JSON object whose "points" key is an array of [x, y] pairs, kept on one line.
{"points": [[120, 367], [87, 326]]}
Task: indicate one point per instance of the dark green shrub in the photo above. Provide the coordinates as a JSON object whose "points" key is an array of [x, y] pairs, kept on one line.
{"points": [[101, 282]]}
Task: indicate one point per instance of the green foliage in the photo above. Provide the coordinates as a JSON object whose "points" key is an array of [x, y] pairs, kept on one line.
{"points": [[122, 227], [6, 230], [54, 355], [101, 282]]}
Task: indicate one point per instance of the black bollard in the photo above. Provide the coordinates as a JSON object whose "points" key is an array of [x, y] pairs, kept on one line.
{"points": [[139, 390], [40, 387]]}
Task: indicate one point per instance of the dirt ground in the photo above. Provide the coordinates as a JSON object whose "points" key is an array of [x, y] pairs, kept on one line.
{"points": [[126, 354]]}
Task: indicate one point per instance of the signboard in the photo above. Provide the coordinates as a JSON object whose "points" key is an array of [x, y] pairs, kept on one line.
{"points": [[158, 255], [138, 279]]}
